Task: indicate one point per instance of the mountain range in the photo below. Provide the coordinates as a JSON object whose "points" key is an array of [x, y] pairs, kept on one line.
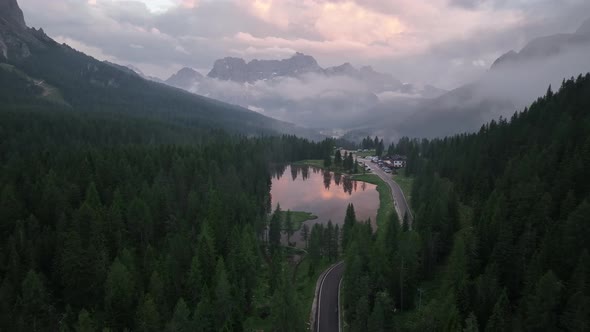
{"points": [[248, 96], [513, 81], [45, 74], [298, 89], [297, 66], [366, 102], [547, 47]]}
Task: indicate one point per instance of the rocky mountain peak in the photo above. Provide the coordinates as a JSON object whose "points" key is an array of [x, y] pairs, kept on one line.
{"points": [[367, 69], [185, 78], [16, 40], [188, 72], [344, 69], [237, 70], [229, 69], [303, 61], [11, 13]]}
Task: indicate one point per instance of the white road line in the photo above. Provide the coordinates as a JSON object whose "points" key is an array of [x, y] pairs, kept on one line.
{"points": [[339, 307]]}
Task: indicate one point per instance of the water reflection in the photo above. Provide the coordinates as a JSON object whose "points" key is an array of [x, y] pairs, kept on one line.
{"points": [[322, 193], [278, 170], [305, 172], [327, 179]]}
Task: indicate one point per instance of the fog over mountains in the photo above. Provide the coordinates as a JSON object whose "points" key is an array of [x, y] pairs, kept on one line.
{"points": [[298, 89], [37, 72], [356, 102], [513, 81]]}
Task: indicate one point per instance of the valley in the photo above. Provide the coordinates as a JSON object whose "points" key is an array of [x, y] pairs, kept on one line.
{"points": [[308, 166]]}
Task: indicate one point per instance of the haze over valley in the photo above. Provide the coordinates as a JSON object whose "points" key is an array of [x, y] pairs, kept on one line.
{"points": [[428, 84], [360, 102]]}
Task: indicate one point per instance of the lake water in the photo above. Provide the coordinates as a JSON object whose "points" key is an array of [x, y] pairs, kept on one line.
{"points": [[325, 194]]}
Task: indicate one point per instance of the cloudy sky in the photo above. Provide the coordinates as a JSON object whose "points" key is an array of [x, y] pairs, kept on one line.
{"points": [[441, 42]]}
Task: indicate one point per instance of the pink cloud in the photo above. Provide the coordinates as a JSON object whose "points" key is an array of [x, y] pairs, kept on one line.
{"points": [[190, 3], [371, 28]]}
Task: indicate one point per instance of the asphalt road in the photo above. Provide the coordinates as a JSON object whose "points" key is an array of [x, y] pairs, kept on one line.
{"points": [[327, 315], [401, 205]]}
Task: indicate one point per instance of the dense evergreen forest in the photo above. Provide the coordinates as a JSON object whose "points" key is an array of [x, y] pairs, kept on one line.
{"points": [[113, 223], [501, 229]]}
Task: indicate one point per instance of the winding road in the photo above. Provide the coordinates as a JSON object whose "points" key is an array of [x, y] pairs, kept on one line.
{"points": [[399, 200], [327, 315], [328, 307]]}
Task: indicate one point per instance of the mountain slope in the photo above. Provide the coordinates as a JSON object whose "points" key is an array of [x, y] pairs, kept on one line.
{"points": [[92, 86], [514, 81], [298, 90], [547, 46], [499, 240]]}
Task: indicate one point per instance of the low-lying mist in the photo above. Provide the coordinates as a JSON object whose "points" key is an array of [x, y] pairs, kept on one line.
{"points": [[311, 100], [499, 93]]}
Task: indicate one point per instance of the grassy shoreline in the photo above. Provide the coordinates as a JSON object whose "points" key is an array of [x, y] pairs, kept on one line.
{"points": [[385, 199], [310, 162], [386, 206], [306, 284], [406, 183], [297, 219]]}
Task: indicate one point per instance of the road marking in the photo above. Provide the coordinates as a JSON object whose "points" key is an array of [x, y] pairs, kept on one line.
{"points": [[339, 315], [320, 293]]}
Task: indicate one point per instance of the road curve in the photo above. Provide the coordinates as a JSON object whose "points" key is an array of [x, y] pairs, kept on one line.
{"points": [[399, 200], [327, 313]]}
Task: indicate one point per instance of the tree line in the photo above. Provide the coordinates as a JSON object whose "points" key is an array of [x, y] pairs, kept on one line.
{"points": [[106, 229], [500, 230]]}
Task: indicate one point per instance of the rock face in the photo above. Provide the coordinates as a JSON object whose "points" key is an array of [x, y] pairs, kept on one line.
{"points": [[11, 13], [237, 70], [345, 69], [548, 46], [185, 78], [16, 40]]}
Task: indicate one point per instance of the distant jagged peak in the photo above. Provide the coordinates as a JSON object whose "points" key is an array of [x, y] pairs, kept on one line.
{"points": [[299, 55], [187, 71], [232, 60], [185, 78], [236, 69], [367, 69], [303, 60], [10, 12], [344, 69]]}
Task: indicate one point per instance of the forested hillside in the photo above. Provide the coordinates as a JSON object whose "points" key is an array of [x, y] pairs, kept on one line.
{"points": [[107, 225], [501, 229], [35, 68]]}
